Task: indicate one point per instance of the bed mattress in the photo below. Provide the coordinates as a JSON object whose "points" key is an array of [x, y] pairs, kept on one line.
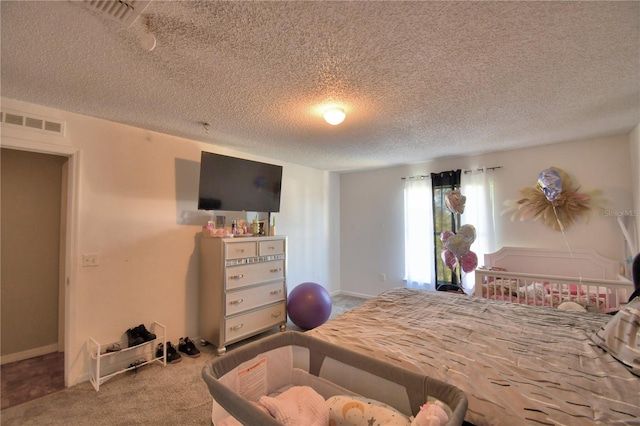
{"points": [[516, 363]]}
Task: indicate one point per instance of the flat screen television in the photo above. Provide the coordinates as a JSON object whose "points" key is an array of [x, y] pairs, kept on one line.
{"points": [[234, 184]]}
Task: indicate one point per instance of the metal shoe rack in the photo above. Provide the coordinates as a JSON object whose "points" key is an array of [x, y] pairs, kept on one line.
{"points": [[106, 365]]}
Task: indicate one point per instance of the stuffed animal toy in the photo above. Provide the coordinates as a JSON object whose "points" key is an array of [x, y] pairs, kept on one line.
{"points": [[431, 414], [571, 306]]}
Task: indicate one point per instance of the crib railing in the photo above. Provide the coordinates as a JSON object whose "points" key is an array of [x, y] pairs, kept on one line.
{"points": [[547, 290]]}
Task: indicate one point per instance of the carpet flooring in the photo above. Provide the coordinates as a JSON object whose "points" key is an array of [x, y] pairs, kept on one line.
{"points": [[175, 394]]}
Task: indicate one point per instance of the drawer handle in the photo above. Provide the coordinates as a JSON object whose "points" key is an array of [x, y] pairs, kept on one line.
{"points": [[236, 327], [271, 247], [236, 277], [240, 250], [236, 302], [276, 292], [276, 315], [276, 270]]}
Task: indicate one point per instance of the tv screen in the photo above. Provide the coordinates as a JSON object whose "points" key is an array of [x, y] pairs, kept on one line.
{"points": [[234, 184]]}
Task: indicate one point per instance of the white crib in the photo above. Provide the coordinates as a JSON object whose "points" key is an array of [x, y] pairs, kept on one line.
{"points": [[543, 277]]}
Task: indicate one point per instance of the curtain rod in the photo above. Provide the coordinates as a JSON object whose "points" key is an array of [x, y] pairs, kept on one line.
{"points": [[416, 177], [481, 169]]}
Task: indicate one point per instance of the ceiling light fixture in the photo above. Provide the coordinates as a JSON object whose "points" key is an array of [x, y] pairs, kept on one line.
{"points": [[334, 116]]}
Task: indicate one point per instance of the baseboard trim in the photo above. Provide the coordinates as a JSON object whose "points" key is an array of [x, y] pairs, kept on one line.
{"points": [[19, 356], [351, 293]]}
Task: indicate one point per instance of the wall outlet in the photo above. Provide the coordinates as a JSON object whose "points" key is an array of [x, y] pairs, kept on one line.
{"points": [[383, 277], [89, 260]]}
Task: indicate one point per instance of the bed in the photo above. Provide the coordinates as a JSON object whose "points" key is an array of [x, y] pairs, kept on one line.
{"points": [[549, 278], [516, 363]]}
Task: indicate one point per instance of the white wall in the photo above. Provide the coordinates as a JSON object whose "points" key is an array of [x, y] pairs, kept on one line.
{"points": [[372, 227], [309, 214], [137, 210]]}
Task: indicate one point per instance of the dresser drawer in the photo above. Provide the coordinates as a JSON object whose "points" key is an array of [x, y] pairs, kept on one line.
{"points": [[241, 249], [253, 273], [265, 248], [251, 322], [243, 300]]}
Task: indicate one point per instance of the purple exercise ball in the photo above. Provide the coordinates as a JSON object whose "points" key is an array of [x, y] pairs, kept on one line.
{"points": [[309, 305]]}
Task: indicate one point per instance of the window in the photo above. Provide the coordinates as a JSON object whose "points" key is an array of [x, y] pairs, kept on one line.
{"points": [[426, 216], [479, 188], [444, 220], [418, 226]]}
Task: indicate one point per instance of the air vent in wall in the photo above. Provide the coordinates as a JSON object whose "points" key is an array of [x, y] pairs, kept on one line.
{"points": [[33, 122], [122, 11]]}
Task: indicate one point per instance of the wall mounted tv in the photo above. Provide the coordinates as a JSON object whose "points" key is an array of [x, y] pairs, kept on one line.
{"points": [[235, 184]]}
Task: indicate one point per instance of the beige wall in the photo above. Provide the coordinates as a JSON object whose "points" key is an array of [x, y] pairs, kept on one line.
{"points": [[30, 238], [134, 205]]}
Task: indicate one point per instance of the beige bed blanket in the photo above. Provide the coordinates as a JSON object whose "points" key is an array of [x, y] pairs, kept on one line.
{"points": [[517, 364]]}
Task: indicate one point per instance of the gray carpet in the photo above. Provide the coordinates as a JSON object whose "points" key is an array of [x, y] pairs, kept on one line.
{"points": [[175, 394]]}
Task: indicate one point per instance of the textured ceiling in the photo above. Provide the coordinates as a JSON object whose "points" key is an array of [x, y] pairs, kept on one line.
{"points": [[418, 80]]}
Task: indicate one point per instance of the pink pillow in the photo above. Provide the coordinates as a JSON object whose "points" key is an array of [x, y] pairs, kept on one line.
{"points": [[573, 289]]}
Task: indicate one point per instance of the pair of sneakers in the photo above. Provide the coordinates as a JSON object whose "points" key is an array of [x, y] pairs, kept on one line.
{"points": [[172, 354], [139, 335], [185, 346]]}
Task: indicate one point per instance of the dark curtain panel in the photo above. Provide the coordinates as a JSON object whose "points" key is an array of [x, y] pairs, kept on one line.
{"points": [[443, 220]]}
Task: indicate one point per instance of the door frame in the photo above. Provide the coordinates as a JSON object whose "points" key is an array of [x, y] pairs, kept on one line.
{"points": [[69, 241]]}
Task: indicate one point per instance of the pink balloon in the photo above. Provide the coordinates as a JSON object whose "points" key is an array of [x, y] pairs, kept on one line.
{"points": [[445, 235], [455, 201], [469, 262], [449, 259]]}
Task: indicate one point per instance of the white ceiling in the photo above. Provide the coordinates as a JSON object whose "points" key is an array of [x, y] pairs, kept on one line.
{"points": [[418, 80]]}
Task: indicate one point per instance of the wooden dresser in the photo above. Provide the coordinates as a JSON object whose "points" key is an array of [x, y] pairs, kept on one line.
{"points": [[243, 288]]}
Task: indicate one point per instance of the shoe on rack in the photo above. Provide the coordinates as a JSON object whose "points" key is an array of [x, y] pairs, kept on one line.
{"points": [[113, 348], [136, 364], [172, 354], [187, 347], [144, 333], [134, 338], [160, 351]]}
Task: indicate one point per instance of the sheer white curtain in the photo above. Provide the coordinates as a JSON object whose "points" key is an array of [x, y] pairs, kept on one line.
{"points": [[418, 233], [480, 211]]}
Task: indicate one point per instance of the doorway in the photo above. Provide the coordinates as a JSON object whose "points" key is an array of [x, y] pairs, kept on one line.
{"points": [[34, 227]]}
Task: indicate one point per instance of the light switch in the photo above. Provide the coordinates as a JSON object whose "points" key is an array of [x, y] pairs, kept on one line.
{"points": [[89, 260]]}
